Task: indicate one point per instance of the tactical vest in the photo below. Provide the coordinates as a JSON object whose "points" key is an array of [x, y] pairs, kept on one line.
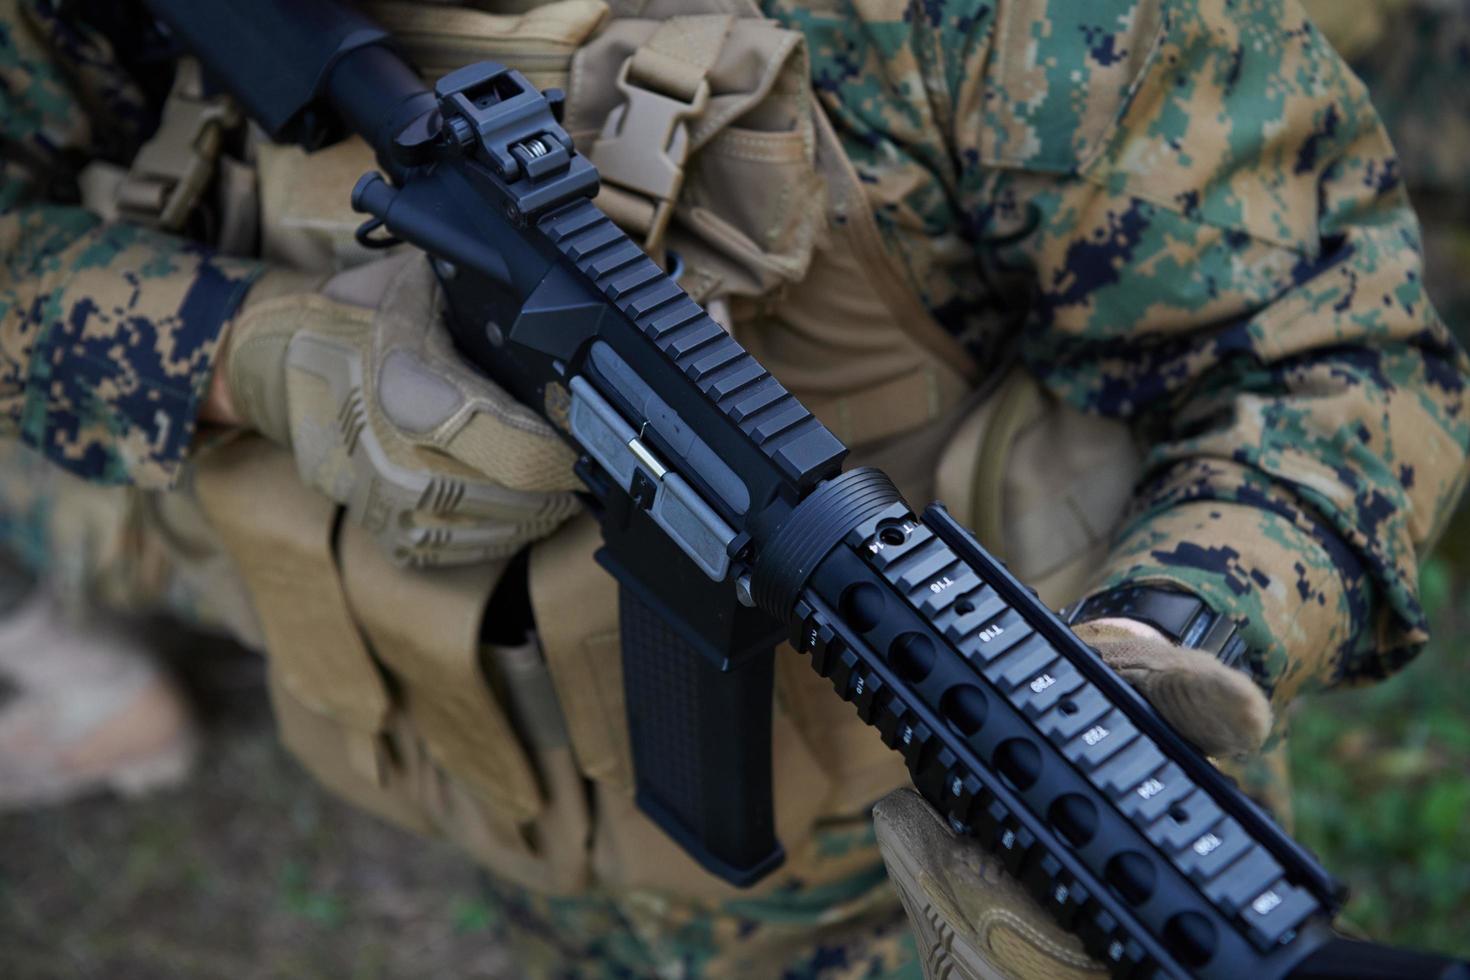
{"points": [[701, 118]]}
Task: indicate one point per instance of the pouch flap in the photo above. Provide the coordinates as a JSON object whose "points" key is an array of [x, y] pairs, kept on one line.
{"points": [[280, 534], [424, 624]]}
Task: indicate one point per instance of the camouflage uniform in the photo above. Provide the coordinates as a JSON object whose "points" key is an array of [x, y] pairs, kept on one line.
{"points": [[1191, 200], [848, 932], [108, 331], [1221, 251]]}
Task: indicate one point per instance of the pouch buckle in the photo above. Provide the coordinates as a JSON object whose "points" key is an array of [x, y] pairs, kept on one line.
{"points": [[642, 150], [172, 170]]}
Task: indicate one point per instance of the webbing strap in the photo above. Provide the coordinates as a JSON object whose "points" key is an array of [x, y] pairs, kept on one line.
{"points": [[678, 57]]}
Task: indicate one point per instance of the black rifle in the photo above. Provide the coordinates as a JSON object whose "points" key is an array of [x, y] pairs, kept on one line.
{"points": [[728, 524]]}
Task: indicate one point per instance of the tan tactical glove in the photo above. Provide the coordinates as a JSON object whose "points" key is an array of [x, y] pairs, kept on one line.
{"points": [[1218, 708], [972, 920], [362, 382]]}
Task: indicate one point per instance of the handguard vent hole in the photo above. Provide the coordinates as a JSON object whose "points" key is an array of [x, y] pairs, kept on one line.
{"points": [[964, 607], [893, 536], [1075, 818], [912, 656], [1178, 814], [1068, 707], [1191, 937], [964, 706], [861, 606], [1132, 875], [1019, 761]]}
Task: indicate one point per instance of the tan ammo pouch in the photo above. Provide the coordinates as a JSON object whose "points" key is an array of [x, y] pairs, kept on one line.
{"points": [[701, 119], [380, 683], [710, 117]]}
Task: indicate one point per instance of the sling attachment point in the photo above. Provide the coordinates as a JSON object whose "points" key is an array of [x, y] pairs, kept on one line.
{"points": [[172, 170]]}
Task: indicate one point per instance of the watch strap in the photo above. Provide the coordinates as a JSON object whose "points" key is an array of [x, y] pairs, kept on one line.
{"points": [[1181, 616]]}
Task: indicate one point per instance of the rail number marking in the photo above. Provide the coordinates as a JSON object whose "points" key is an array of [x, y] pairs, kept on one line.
{"points": [[1265, 903], [1206, 844]]}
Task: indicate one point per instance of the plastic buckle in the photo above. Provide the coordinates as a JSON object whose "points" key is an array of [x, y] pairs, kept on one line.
{"points": [[173, 168], [644, 145]]}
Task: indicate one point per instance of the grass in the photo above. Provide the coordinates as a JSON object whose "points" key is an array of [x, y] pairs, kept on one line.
{"points": [[249, 872], [1382, 778]]}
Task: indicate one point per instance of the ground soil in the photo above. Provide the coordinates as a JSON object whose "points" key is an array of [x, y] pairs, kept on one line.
{"points": [[248, 871]]}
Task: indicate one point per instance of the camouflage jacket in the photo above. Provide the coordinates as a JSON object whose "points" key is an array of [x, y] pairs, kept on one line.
{"points": [[1195, 198], [107, 332]]}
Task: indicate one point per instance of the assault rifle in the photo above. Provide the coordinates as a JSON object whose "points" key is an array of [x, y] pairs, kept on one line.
{"points": [[729, 524]]}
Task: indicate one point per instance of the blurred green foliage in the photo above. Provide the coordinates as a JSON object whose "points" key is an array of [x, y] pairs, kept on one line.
{"points": [[321, 907], [1382, 778]]}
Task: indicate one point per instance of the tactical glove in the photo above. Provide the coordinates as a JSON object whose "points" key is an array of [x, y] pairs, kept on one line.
{"points": [[971, 918], [1218, 708], [360, 380]]}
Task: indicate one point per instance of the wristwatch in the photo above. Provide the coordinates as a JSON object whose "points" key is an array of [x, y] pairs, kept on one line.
{"points": [[1181, 616]]}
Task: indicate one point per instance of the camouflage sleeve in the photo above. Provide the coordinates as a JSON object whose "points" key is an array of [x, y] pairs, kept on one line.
{"points": [[107, 332], [1225, 256], [1196, 210]]}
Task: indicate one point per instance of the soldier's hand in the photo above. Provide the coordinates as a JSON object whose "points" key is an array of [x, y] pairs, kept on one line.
{"points": [[1218, 708], [971, 918], [359, 378]]}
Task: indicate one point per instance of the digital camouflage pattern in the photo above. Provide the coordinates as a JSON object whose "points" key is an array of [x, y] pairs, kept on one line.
{"points": [[1215, 245], [1190, 202], [1218, 248], [107, 332], [852, 929]]}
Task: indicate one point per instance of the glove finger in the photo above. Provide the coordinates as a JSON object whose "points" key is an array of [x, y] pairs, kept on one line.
{"points": [[1218, 708], [452, 495], [514, 447], [442, 544]]}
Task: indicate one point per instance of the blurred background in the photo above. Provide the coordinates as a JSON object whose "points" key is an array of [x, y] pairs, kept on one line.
{"points": [[252, 856]]}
